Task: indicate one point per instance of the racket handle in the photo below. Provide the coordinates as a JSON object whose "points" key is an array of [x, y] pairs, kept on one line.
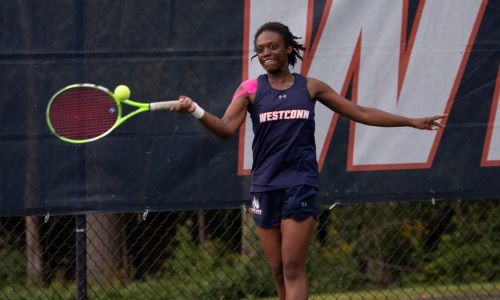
{"points": [[164, 105]]}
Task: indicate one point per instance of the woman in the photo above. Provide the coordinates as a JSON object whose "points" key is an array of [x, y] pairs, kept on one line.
{"points": [[285, 172]]}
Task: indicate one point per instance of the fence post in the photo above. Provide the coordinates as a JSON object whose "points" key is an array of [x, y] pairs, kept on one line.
{"points": [[81, 256]]}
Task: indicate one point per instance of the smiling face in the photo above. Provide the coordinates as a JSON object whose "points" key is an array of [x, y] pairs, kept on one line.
{"points": [[272, 52]]}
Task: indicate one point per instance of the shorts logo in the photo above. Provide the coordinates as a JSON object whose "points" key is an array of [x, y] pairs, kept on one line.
{"points": [[256, 206]]}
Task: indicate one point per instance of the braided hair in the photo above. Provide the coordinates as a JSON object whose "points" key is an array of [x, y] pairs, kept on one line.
{"points": [[290, 40]]}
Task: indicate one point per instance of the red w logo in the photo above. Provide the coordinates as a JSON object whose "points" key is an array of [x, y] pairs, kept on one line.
{"points": [[364, 44]]}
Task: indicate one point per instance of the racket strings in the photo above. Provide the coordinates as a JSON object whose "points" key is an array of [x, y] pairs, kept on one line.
{"points": [[83, 113]]}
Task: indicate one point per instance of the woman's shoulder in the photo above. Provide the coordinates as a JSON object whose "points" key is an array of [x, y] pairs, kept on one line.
{"points": [[307, 79], [316, 86], [247, 87], [250, 85], [311, 79], [314, 82]]}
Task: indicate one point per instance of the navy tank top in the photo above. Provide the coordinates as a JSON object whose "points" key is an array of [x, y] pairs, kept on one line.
{"points": [[284, 150]]}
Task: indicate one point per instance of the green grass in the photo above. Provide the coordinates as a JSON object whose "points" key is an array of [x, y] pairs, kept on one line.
{"points": [[161, 289], [464, 291]]}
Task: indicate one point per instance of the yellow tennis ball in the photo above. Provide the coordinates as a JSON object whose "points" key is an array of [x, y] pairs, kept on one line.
{"points": [[122, 92]]}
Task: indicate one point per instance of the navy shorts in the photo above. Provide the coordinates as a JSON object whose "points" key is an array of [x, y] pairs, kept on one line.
{"points": [[296, 202]]}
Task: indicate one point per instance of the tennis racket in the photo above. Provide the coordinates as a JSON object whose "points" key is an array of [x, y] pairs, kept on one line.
{"points": [[82, 113]]}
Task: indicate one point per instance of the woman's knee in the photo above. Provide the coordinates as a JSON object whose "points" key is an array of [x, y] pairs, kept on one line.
{"points": [[278, 274], [293, 269]]}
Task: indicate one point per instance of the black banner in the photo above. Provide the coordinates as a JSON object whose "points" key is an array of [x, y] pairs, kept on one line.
{"points": [[164, 161]]}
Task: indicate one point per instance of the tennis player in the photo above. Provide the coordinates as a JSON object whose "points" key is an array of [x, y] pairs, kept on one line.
{"points": [[285, 172]]}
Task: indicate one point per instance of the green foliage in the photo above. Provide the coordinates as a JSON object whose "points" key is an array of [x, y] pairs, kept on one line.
{"points": [[469, 251], [211, 271], [415, 243], [13, 265], [342, 273], [55, 291]]}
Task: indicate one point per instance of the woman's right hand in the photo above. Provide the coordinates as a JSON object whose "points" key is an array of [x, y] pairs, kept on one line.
{"points": [[186, 105]]}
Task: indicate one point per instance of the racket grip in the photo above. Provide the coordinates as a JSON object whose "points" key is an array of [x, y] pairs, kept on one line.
{"points": [[164, 105]]}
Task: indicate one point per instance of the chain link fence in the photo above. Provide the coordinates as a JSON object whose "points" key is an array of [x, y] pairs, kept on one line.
{"points": [[412, 250]]}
